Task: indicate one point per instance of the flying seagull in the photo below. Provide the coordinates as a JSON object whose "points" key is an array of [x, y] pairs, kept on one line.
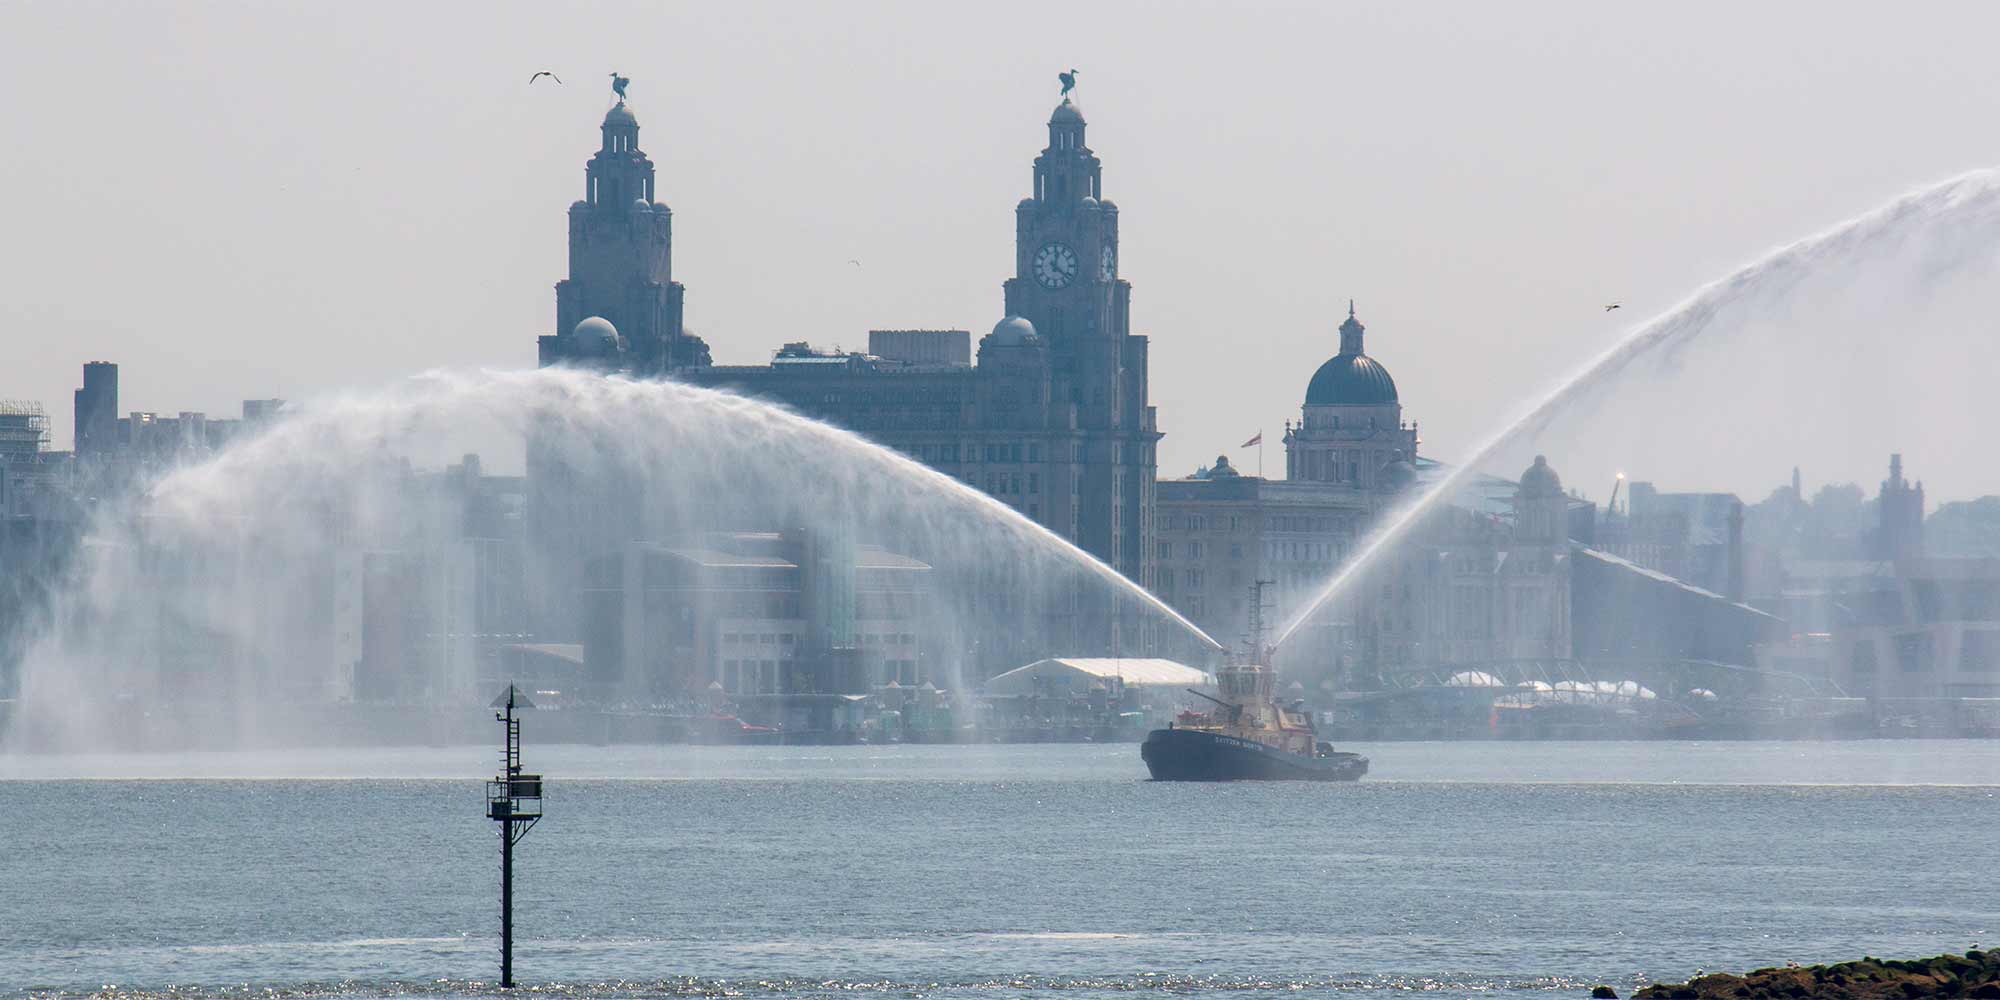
{"points": [[856, 263], [1068, 81], [1610, 307], [618, 84], [544, 73]]}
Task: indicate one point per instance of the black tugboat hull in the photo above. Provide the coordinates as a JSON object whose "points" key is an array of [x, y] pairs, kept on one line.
{"points": [[1193, 755]]}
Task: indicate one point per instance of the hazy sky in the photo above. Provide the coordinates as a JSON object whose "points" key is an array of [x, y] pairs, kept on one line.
{"points": [[237, 201]]}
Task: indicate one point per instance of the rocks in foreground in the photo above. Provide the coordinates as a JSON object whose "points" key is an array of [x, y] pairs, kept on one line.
{"points": [[1975, 974]]}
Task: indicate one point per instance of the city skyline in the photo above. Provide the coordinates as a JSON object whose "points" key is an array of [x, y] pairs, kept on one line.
{"points": [[420, 209]]}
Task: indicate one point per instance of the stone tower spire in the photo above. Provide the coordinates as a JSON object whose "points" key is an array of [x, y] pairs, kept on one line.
{"points": [[620, 266]]}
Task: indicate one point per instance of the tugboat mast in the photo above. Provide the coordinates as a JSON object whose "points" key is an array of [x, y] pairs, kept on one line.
{"points": [[1254, 641]]}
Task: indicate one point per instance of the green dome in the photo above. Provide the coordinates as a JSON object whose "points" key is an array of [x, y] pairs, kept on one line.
{"points": [[1351, 380]]}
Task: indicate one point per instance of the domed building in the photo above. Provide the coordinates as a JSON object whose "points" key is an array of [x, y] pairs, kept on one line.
{"points": [[1351, 428], [1011, 331], [1050, 416], [594, 338]]}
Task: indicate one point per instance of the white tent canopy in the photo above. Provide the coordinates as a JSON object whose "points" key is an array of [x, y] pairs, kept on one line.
{"points": [[1075, 675]]}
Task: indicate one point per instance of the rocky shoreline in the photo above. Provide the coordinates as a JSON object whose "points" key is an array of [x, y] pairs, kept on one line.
{"points": [[1975, 974]]}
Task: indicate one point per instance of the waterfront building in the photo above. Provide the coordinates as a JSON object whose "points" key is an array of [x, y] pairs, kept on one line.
{"points": [[1500, 581], [424, 611], [1053, 419], [1219, 531], [755, 613], [1918, 628], [1351, 428], [1691, 536], [1050, 417]]}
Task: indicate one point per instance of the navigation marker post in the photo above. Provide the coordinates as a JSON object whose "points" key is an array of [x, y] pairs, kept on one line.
{"points": [[514, 800]]}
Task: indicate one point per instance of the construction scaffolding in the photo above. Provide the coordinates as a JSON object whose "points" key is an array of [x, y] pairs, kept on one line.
{"points": [[24, 430]]}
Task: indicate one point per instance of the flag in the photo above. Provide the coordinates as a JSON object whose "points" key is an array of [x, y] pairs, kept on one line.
{"points": [[1259, 439]]}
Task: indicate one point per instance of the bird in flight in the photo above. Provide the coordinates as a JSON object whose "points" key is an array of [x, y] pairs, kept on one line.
{"points": [[544, 73], [1610, 307], [1068, 81], [856, 263]]}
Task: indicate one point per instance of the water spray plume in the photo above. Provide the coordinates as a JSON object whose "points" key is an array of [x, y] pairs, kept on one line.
{"points": [[1934, 233], [211, 586]]}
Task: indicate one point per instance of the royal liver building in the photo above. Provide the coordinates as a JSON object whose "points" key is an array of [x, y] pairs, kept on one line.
{"points": [[1049, 416]]}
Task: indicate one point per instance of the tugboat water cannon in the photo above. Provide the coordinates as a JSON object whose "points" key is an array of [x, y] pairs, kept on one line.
{"points": [[1235, 711], [1254, 737]]}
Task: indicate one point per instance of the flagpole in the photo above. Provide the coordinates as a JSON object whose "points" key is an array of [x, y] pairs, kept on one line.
{"points": [[1260, 453]]}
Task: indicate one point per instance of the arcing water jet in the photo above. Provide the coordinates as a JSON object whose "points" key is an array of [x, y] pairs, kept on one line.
{"points": [[216, 585], [1920, 238]]}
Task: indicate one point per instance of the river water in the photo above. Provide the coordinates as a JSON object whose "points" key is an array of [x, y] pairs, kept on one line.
{"points": [[1458, 868]]}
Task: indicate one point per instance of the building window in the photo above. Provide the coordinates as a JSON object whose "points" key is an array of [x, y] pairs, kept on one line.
{"points": [[1913, 652], [1034, 482], [1977, 649], [1235, 550], [1194, 550], [1034, 452], [1166, 550]]}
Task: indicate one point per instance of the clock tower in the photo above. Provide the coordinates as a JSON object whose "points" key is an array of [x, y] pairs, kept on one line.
{"points": [[1066, 284]]}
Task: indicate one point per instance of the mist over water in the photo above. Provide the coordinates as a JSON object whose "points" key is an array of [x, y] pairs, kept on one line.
{"points": [[221, 586], [1873, 336]]}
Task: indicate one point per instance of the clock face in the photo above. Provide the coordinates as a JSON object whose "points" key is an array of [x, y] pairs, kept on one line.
{"points": [[1108, 263], [1055, 266]]}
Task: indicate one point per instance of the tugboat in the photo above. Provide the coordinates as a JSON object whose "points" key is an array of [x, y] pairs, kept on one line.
{"points": [[1249, 736]]}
